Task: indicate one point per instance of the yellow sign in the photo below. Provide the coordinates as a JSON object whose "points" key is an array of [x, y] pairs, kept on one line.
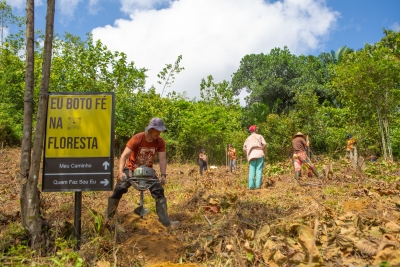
{"points": [[79, 126]]}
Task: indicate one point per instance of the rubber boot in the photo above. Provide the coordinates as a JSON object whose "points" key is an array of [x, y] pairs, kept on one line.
{"points": [[297, 175], [316, 173], [161, 209], [112, 208]]}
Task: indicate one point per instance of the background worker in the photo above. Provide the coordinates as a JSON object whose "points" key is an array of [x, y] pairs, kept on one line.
{"points": [[351, 147], [300, 148], [255, 149], [141, 150], [232, 157], [374, 157], [203, 160]]}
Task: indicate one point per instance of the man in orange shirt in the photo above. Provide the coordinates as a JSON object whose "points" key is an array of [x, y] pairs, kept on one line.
{"points": [[203, 160], [141, 150], [351, 146], [232, 157]]}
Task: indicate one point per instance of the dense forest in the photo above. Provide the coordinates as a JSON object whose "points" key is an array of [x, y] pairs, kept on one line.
{"points": [[324, 96]]}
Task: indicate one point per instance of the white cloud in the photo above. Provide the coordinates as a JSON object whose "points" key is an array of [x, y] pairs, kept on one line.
{"points": [[213, 35], [395, 26], [67, 7], [129, 6], [20, 4], [16, 3], [4, 33], [93, 7]]}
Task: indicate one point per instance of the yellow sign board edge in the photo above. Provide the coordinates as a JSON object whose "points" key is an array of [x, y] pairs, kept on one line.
{"points": [[112, 140]]}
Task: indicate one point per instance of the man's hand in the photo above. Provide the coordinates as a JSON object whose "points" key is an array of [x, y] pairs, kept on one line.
{"points": [[122, 177], [163, 180]]}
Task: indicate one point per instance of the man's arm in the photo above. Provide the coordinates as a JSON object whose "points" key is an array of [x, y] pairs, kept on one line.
{"points": [[162, 156], [122, 161], [264, 145]]}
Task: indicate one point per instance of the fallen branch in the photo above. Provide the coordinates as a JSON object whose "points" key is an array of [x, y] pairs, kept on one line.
{"points": [[209, 222], [115, 256]]}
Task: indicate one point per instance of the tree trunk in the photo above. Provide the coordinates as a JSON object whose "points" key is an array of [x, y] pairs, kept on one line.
{"points": [[388, 141], [385, 156], [355, 158], [31, 201], [28, 114], [386, 126]]}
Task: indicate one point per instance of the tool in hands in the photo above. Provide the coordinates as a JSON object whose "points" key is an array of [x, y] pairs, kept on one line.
{"points": [[142, 179]]}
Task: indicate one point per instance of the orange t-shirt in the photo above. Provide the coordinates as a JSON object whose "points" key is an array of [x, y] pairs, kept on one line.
{"points": [[351, 144], [232, 153], [143, 152]]}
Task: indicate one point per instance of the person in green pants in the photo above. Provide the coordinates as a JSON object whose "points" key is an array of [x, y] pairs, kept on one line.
{"points": [[255, 149]]}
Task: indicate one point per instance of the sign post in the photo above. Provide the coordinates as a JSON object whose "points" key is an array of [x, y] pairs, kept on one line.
{"points": [[78, 150]]}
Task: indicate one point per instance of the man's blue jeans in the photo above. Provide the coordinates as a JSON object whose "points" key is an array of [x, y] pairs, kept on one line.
{"points": [[255, 170], [232, 163]]}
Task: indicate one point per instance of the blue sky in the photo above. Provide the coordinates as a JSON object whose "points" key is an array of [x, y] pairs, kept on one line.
{"points": [[213, 35]]}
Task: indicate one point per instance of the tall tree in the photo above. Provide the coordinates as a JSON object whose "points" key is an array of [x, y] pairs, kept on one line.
{"points": [[28, 188], [268, 78], [30, 213], [273, 79]]}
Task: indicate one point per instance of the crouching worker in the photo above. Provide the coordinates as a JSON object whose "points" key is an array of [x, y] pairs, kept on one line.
{"points": [[300, 147], [141, 150]]}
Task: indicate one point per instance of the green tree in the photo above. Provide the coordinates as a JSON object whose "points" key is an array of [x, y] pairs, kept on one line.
{"points": [[255, 113], [273, 79], [12, 73], [167, 75], [340, 53], [277, 131], [217, 93], [268, 78], [88, 66], [391, 40], [29, 169], [211, 127], [7, 19], [368, 82], [174, 108]]}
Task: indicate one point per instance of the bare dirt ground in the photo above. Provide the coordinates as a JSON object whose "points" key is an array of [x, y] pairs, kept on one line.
{"points": [[351, 219]]}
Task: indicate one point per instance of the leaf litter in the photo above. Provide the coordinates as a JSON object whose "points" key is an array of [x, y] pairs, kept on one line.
{"points": [[351, 220]]}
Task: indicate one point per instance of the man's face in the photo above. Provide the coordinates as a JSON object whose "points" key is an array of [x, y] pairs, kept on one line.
{"points": [[154, 133]]}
